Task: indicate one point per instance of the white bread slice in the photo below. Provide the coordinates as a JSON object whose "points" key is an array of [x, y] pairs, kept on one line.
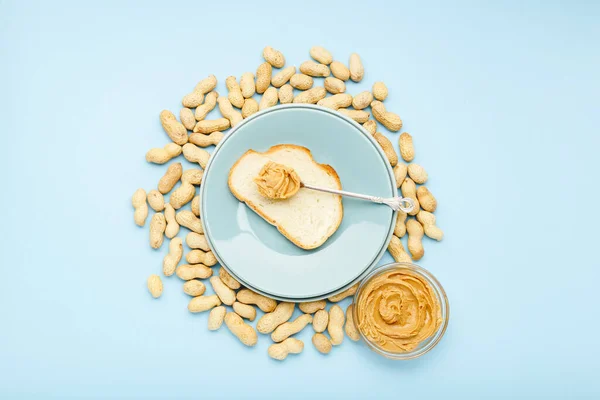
{"points": [[309, 217]]}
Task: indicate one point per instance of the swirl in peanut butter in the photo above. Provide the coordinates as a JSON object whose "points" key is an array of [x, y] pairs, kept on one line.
{"points": [[277, 182], [398, 310]]}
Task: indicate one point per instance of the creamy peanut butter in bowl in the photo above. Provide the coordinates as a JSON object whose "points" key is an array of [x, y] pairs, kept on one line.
{"points": [[401, 311]]}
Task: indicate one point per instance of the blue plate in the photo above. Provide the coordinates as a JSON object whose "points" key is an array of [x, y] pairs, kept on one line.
{"points": [[254, 251]]}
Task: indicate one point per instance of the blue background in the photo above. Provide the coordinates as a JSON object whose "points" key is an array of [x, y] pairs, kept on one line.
{"points": [[502, 101]]}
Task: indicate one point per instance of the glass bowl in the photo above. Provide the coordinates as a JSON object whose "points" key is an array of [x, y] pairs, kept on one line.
{"points": [[426, 344]]}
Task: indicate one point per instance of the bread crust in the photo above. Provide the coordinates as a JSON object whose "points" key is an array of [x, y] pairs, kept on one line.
{"points": [[325, 167]]}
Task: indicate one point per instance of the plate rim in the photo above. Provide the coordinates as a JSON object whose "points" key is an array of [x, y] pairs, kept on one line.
{"points": [[365, 133], [315, 298]]}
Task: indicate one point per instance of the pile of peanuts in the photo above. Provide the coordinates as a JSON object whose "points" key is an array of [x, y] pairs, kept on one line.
{"points": [[275, 87]]}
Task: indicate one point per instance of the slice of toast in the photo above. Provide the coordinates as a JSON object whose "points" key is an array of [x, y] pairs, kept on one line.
{"points": [[309, 217]]}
